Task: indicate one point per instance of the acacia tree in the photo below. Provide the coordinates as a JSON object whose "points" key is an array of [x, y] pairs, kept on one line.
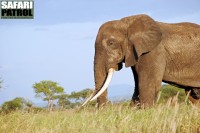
{"points": [[48, 90], [77, 98], [63, 101], [81, 95]]}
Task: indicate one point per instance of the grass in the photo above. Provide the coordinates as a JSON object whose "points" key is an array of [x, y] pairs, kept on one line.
{"points": [[163, 118]]}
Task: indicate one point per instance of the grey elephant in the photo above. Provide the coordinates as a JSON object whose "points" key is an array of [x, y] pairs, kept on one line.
{"points": [[156, 52]]}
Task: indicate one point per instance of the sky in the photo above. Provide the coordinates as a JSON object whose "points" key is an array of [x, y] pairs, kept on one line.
{"points": [[58, 44]]}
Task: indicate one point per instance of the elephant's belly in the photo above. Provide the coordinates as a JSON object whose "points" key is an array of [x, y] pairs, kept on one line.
{"points": [[183, 65], [183, 78]]}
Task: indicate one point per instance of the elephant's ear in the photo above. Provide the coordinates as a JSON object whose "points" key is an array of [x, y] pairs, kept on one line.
{"points": [[130, 56], [144, 35]]}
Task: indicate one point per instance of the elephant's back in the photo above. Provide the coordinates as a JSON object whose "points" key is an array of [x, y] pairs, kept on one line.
{"points": [[181, 32], [180, 28], [187, 25]]}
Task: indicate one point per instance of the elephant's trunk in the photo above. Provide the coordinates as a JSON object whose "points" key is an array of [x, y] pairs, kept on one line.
{"points": [[100, 74], [102, 78]]}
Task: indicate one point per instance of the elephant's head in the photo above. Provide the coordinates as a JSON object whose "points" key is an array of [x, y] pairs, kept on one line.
{"points": [[119, 41]]}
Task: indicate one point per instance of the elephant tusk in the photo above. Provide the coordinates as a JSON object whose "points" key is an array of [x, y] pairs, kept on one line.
{"points": [[105, 86]]}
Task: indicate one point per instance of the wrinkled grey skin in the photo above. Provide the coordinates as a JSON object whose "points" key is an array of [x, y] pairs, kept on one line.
{"points": [[154, 51]]}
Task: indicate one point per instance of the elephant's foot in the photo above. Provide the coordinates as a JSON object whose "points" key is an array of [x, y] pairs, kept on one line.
{"points": [[135, 102], [194, 95]]}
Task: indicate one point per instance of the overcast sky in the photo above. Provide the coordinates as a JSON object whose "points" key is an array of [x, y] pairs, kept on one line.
{"points": [[58, 44]]}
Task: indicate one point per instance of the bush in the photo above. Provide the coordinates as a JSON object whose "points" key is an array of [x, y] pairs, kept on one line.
{"points": [[35, 109], [168, 91], [13, 105]]}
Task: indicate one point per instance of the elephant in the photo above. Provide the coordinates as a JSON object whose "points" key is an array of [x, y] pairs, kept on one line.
{"points": [[155, 51]]}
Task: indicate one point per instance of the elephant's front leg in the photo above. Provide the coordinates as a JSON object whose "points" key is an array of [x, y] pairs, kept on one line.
{"points": [[149, 89], [135, 98], [150, 75]]}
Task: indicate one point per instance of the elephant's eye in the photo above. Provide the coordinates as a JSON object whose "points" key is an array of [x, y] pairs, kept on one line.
{"points": [[110, 42]]}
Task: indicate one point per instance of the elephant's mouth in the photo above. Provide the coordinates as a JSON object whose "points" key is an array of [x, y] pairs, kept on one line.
{"points": [[95, 94], [116, 67], [120, 66]]}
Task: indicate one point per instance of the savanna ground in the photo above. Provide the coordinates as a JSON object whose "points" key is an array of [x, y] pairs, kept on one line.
{"points": [[165, 117]]}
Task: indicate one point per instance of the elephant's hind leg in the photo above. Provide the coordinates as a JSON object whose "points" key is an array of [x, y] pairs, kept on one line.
{"points": [[194, 95]]}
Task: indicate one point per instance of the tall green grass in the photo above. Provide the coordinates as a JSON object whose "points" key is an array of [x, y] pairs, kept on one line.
{"points": [[163, 118]]}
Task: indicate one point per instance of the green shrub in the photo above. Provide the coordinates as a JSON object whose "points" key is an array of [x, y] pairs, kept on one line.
{"points": [[13, 105], [168, 91], [35, 109]]}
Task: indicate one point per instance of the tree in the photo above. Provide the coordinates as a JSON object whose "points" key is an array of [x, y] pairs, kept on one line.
{"points": [[63, 101], [74, 99], [81, 95], [48, 90]]}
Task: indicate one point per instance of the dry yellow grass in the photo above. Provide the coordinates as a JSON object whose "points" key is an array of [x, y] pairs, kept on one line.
{"points": [[162, 118]]}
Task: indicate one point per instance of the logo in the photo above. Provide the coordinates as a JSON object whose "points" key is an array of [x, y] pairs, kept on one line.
{"points": [[18, 9]]}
